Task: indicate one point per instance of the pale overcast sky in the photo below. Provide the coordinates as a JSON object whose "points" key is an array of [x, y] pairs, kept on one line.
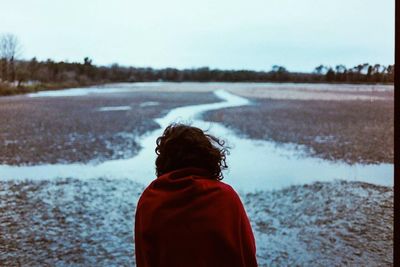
{"points": [[227, 34]]}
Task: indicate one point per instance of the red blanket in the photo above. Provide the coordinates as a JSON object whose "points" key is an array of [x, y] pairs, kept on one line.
{"points": [[186, 219]]}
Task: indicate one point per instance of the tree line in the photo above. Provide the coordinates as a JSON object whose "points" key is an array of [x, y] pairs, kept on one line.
{"points": [[17, 75]]}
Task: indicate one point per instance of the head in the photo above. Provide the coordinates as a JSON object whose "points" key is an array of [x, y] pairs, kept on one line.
{"points": [[183, 146]]}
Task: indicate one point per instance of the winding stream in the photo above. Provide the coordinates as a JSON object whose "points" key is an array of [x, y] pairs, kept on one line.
{"points": [[253, 164]]}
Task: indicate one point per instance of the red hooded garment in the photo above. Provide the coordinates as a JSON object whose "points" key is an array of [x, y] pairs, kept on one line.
{"points": [[186, 219]]}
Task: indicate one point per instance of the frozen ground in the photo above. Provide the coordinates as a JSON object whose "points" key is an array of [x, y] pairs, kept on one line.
{"points": [[53, 219], [70, 222], [324, 224]]}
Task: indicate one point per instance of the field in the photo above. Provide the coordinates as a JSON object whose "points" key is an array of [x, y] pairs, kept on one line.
{"points": [[43, 130], [72, 221], [85, 223], [352, 131]]}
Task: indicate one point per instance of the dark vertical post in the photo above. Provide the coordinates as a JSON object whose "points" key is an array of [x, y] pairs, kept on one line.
{"points": [[396, 234]]}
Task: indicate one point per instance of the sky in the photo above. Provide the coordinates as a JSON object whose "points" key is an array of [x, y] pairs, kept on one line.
{"points": [[225, 34]]}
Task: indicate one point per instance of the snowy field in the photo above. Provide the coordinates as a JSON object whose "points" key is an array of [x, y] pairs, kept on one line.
{"points": [[76, 207]]}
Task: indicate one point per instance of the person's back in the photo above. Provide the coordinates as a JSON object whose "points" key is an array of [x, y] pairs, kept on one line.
{"points": [[187, 217]]}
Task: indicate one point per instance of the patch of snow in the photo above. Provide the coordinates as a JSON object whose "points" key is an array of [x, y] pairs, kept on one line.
{"points": [[115, 108], [8, 142], [78, 92], [324, 139], [149, 104]]}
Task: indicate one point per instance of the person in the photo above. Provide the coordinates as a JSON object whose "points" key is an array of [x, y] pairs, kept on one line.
{"points": [[187, 216]]}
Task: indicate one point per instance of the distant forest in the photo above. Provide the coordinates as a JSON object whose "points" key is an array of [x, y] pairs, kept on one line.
{"points": [[22, 76]]}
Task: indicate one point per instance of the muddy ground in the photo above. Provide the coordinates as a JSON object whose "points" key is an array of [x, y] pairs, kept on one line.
{"points": [[71, 222], [354, 131], [72, 129]]}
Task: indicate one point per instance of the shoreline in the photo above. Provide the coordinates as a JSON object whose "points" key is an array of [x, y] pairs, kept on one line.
{"points": [[6, 90]]}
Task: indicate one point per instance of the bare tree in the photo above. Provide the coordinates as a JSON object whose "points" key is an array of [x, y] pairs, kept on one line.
{"points": [[9, 51], [321, 69]]}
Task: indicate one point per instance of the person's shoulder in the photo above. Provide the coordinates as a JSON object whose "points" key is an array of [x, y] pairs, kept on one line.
{"points": [[226, 187], [227, 191], [217, 184], [144, 195]]}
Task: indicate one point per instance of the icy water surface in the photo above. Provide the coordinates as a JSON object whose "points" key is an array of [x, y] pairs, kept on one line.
{"points": [[253, 164]]}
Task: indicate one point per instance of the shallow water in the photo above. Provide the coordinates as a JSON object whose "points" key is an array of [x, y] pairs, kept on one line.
{"points": [[253, 164], [115, 108], [83, 91]]}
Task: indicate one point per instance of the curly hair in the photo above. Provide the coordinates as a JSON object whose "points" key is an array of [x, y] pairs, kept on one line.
{"points": [[183, 146]]}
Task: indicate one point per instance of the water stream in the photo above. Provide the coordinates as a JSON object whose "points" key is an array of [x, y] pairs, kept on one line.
{"points": [[253, 164]]}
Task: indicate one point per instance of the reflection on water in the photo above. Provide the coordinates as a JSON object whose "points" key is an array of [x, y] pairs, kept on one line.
{"points": [[116, 108]]}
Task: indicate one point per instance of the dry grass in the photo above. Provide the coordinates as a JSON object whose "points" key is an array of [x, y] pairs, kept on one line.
{"points": [[71, 129], [352, 130]]}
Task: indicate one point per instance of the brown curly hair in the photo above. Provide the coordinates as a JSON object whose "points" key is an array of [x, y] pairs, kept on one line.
{"points": [[183, 146]]}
